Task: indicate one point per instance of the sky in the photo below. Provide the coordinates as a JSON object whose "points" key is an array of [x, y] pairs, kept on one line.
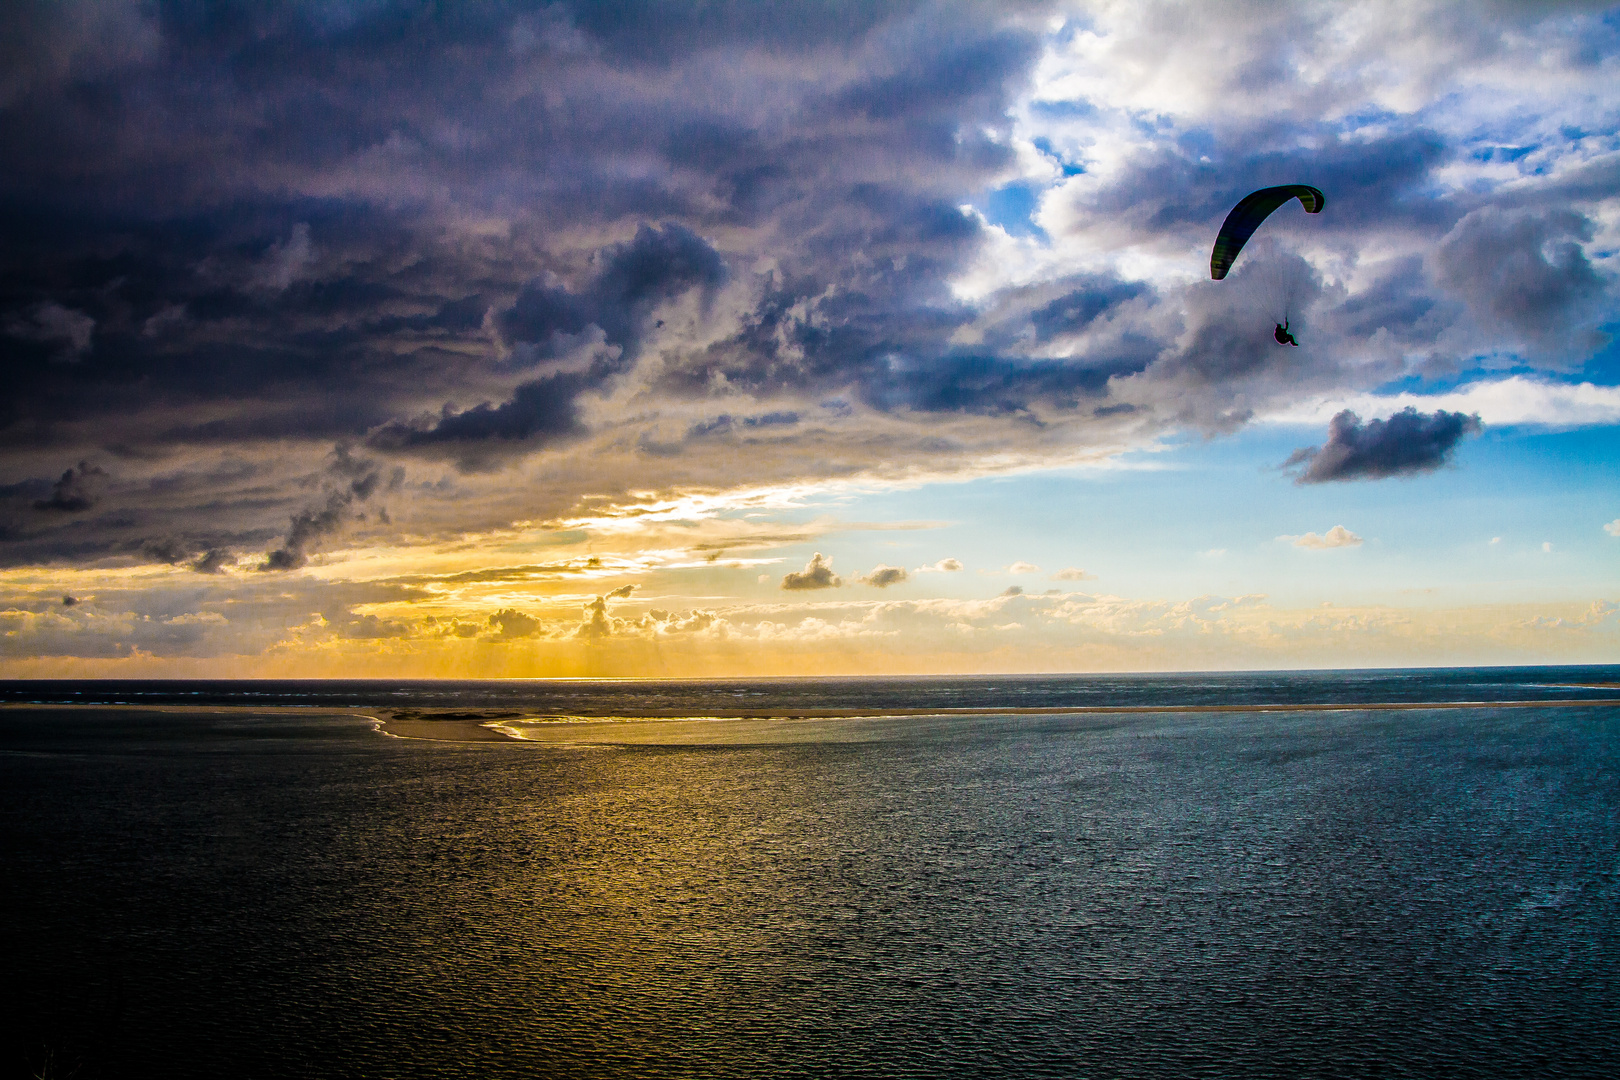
{"points": [[653, 339]]}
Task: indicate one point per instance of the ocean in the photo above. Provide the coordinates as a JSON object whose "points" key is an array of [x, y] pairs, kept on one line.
{"points": [[1251, 874]]}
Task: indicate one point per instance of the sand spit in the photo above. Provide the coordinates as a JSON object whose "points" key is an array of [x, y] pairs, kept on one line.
{"points": [[529, 727], [465, 726]]}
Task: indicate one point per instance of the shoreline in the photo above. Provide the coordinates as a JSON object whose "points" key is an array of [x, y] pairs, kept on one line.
{"points": [[507, 726]]}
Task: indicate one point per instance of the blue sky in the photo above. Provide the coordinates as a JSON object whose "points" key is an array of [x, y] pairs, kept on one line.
{"points": [[577, 338]]}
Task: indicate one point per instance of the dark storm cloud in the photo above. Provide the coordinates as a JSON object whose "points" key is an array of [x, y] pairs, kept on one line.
{"points": [[1406, 444], [469, 233], [435, 230], [1080, 307], [76, 490], [985, 385], [50, 322], [659, 264], [349, 480], [538, 413], [548, 320], [212, 561], [1192, 183]]}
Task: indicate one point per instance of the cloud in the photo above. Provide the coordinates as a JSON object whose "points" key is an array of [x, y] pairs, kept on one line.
{"points": [[1516, 399], [598, 623], [660, 622], [943, 566], [371, 628], [1336, 537], [1613, 527], [69, 601], [1406, 444], [1523, 270], [52, 323], [881, 576], [77, 489], [1073, 573], [212, 561], [1013, 590], [510, 624], [1023, 568], [690, 252], [817, 574], [547, 321], [348, 480], [286, 261]]}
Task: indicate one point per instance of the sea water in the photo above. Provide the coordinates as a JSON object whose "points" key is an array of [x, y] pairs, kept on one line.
{"points": [[288, 892]]}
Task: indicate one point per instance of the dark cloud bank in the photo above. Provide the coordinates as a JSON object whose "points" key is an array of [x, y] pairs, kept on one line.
{"points": [[439, 233]]}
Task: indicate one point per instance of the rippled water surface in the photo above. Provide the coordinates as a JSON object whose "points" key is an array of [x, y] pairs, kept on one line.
{"points": [[267, 893]]}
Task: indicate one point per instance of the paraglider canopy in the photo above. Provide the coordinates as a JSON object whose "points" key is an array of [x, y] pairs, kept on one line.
{"points": [[1247, 215]]}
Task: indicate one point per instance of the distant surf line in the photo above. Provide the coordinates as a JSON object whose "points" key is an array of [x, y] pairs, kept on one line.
{"points": [[1039, 710]]}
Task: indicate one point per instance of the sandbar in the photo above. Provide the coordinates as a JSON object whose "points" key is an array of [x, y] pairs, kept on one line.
{"points": [[504, 726]]}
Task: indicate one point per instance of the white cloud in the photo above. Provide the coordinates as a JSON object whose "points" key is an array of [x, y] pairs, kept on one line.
{"points": [[1613, 527], [944, 566], [1546, 546], [1336, 537], [1023, 568], [1501, 402], [1073, 573]]}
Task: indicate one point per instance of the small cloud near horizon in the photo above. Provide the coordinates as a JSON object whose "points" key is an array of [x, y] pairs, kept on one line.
{"points": [[1336, 537], [944, 566], [1022, 567], [1073, 573], [881, 576], [817, 574]]}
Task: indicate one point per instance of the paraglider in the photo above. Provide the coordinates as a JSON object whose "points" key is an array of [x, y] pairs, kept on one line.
{"points": [[1247, 215], [1245, 218]]}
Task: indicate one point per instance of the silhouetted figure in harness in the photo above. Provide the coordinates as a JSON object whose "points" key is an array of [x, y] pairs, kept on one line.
{"points": [[1282, 336]]}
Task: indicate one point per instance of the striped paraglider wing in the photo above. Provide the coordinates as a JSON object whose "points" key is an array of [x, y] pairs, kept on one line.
{"points": [[1247, 215]]}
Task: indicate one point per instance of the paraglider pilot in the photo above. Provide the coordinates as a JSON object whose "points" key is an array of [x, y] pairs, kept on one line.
{"points": [[1283, 336]]}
